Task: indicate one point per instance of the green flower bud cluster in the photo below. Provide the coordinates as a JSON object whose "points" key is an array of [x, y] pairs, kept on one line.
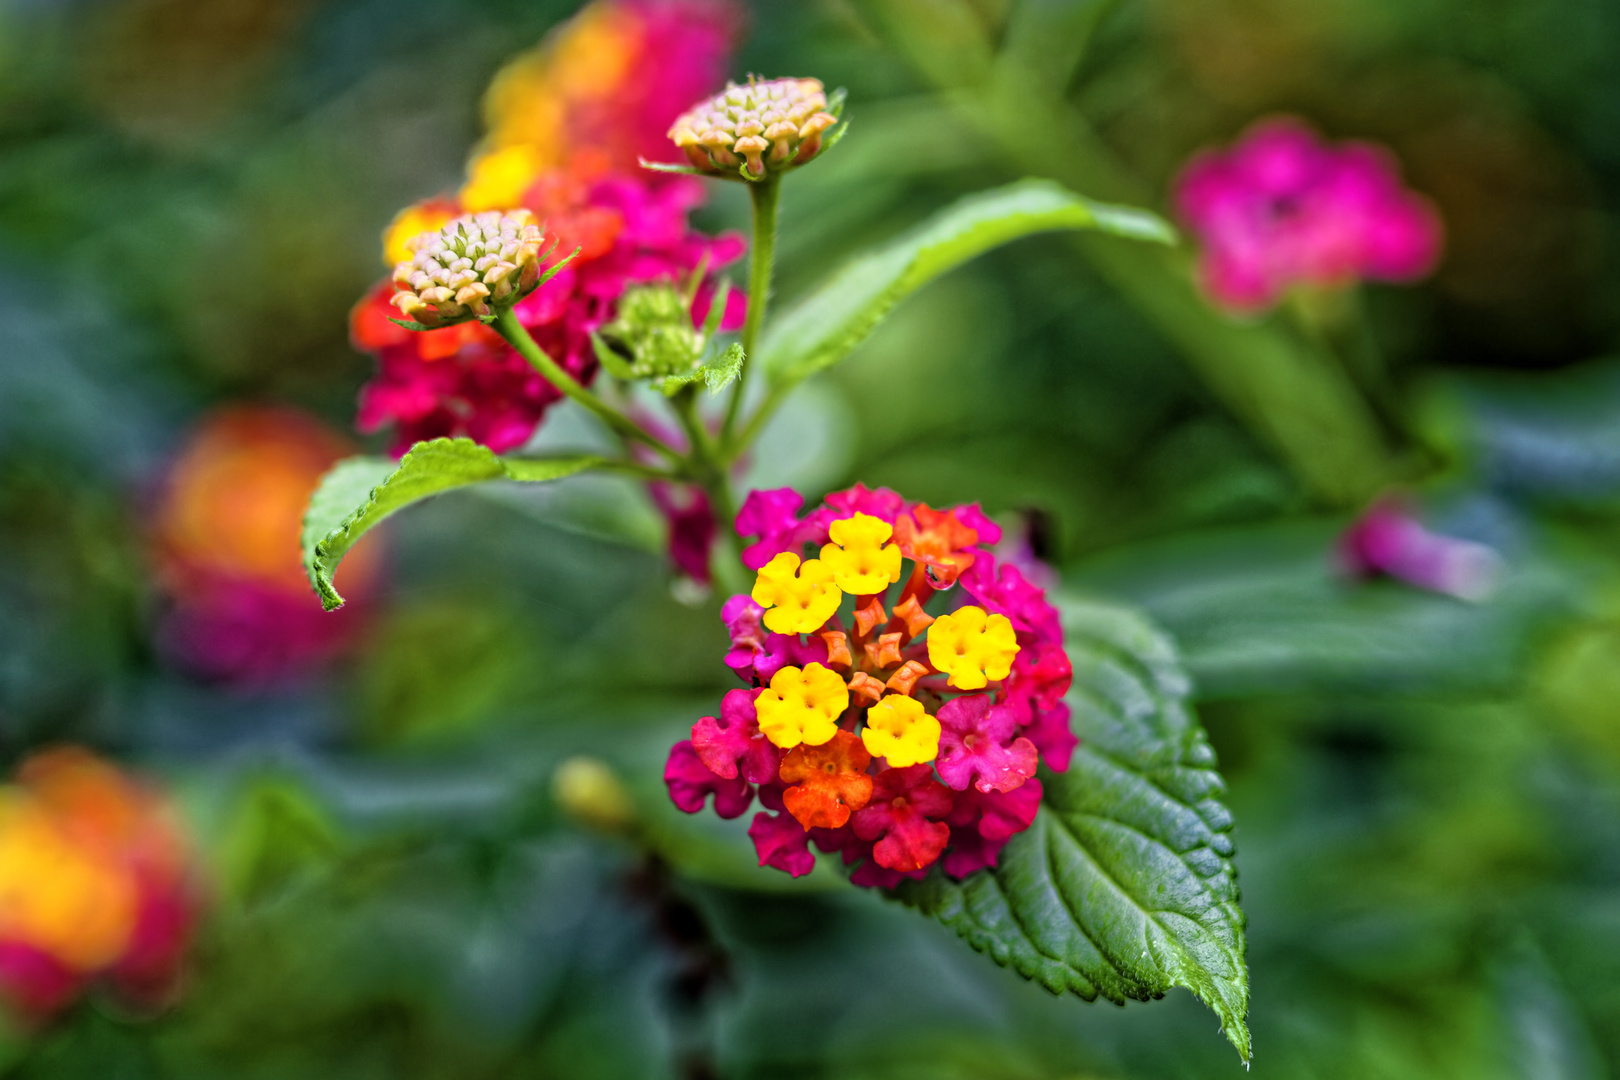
{"points": [[654, 329], [756, 131], [473, 263], [653, 338]]}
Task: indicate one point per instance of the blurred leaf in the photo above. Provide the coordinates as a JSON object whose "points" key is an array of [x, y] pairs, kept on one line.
{"points": [[277, 833], [1124, 886], [437, 669], [823, 329], [1265, 610], [1553, 436], [360, 492]]}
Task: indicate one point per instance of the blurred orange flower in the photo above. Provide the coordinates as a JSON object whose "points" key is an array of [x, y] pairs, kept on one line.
{"points": [[95, 883], [612, 78], [226, 546]]}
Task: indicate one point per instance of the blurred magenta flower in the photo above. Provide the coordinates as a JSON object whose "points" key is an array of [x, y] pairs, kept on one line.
{"points": [[225, 544], [96, 885], [1283, 208], [1388, 540], [888, 746]]}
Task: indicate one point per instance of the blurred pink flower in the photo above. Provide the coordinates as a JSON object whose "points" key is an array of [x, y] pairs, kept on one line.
{"points": [[1388, 540], [1282, 208]]}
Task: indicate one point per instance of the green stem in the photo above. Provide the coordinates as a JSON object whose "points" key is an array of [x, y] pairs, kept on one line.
{"points": [[710, 475], [638, 470], [762, 255], [756, 422], [508, 326]]}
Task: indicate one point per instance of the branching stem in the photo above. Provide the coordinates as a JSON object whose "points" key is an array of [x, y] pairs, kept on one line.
{"points": [[507, 325]]}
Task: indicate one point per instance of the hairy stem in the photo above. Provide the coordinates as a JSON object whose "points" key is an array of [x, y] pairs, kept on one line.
{"points": [[709, 470], [762, 255]]}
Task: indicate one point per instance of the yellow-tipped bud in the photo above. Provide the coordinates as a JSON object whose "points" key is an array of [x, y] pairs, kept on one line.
{"points": [[755, 131], [474, 263]]}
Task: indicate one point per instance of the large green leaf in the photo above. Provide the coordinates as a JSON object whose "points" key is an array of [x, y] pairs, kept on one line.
{"points": [[361, 491], [1124, 886], [823, 328]]}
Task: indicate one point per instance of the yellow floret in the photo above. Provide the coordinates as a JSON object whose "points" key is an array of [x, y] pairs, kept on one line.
{"points": [[802, 706], [862, 563], [899, 729], [972, 647], [798, 603]]}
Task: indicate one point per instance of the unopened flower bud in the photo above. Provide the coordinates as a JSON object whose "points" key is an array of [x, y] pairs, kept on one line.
{"points": [[476, 262], [757, 130], [590, 793], [654, 326]]}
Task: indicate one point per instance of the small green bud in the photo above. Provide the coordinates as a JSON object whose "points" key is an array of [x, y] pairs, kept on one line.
{"points": [[654, 328], [755, 131]]}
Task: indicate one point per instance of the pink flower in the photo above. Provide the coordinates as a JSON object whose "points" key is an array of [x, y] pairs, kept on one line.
{"points": [[756, 653], [782, 842], [1283, 208], [1049, 730], [691, 782], [1388, 539], [877, 502], [239, 630], [734, 741], [903, 818], [974, 742], [691, 526], [1002, 588], [982, 823], [773, 517]]}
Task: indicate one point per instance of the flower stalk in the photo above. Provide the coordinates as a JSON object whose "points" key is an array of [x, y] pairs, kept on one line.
{"points": [[507, 325], [762, 256]]}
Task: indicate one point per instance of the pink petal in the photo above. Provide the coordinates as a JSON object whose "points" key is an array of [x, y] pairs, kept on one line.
{"points": [[781, 842], [734, 740], [690, 783], [973, 744]]}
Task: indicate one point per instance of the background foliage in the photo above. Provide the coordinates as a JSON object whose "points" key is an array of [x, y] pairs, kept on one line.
{"points": [[1426, 791]]}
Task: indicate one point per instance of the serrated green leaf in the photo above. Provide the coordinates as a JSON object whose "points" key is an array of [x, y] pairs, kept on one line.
{"points": [[614, 364], [1124, 886], [826, 326], [359, 492], [719, 371]]}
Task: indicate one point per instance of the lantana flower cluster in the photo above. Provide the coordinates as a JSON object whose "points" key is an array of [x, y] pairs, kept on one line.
{"points": [[96, 885], [569, 121], [900, 688], [1283, 208]]}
